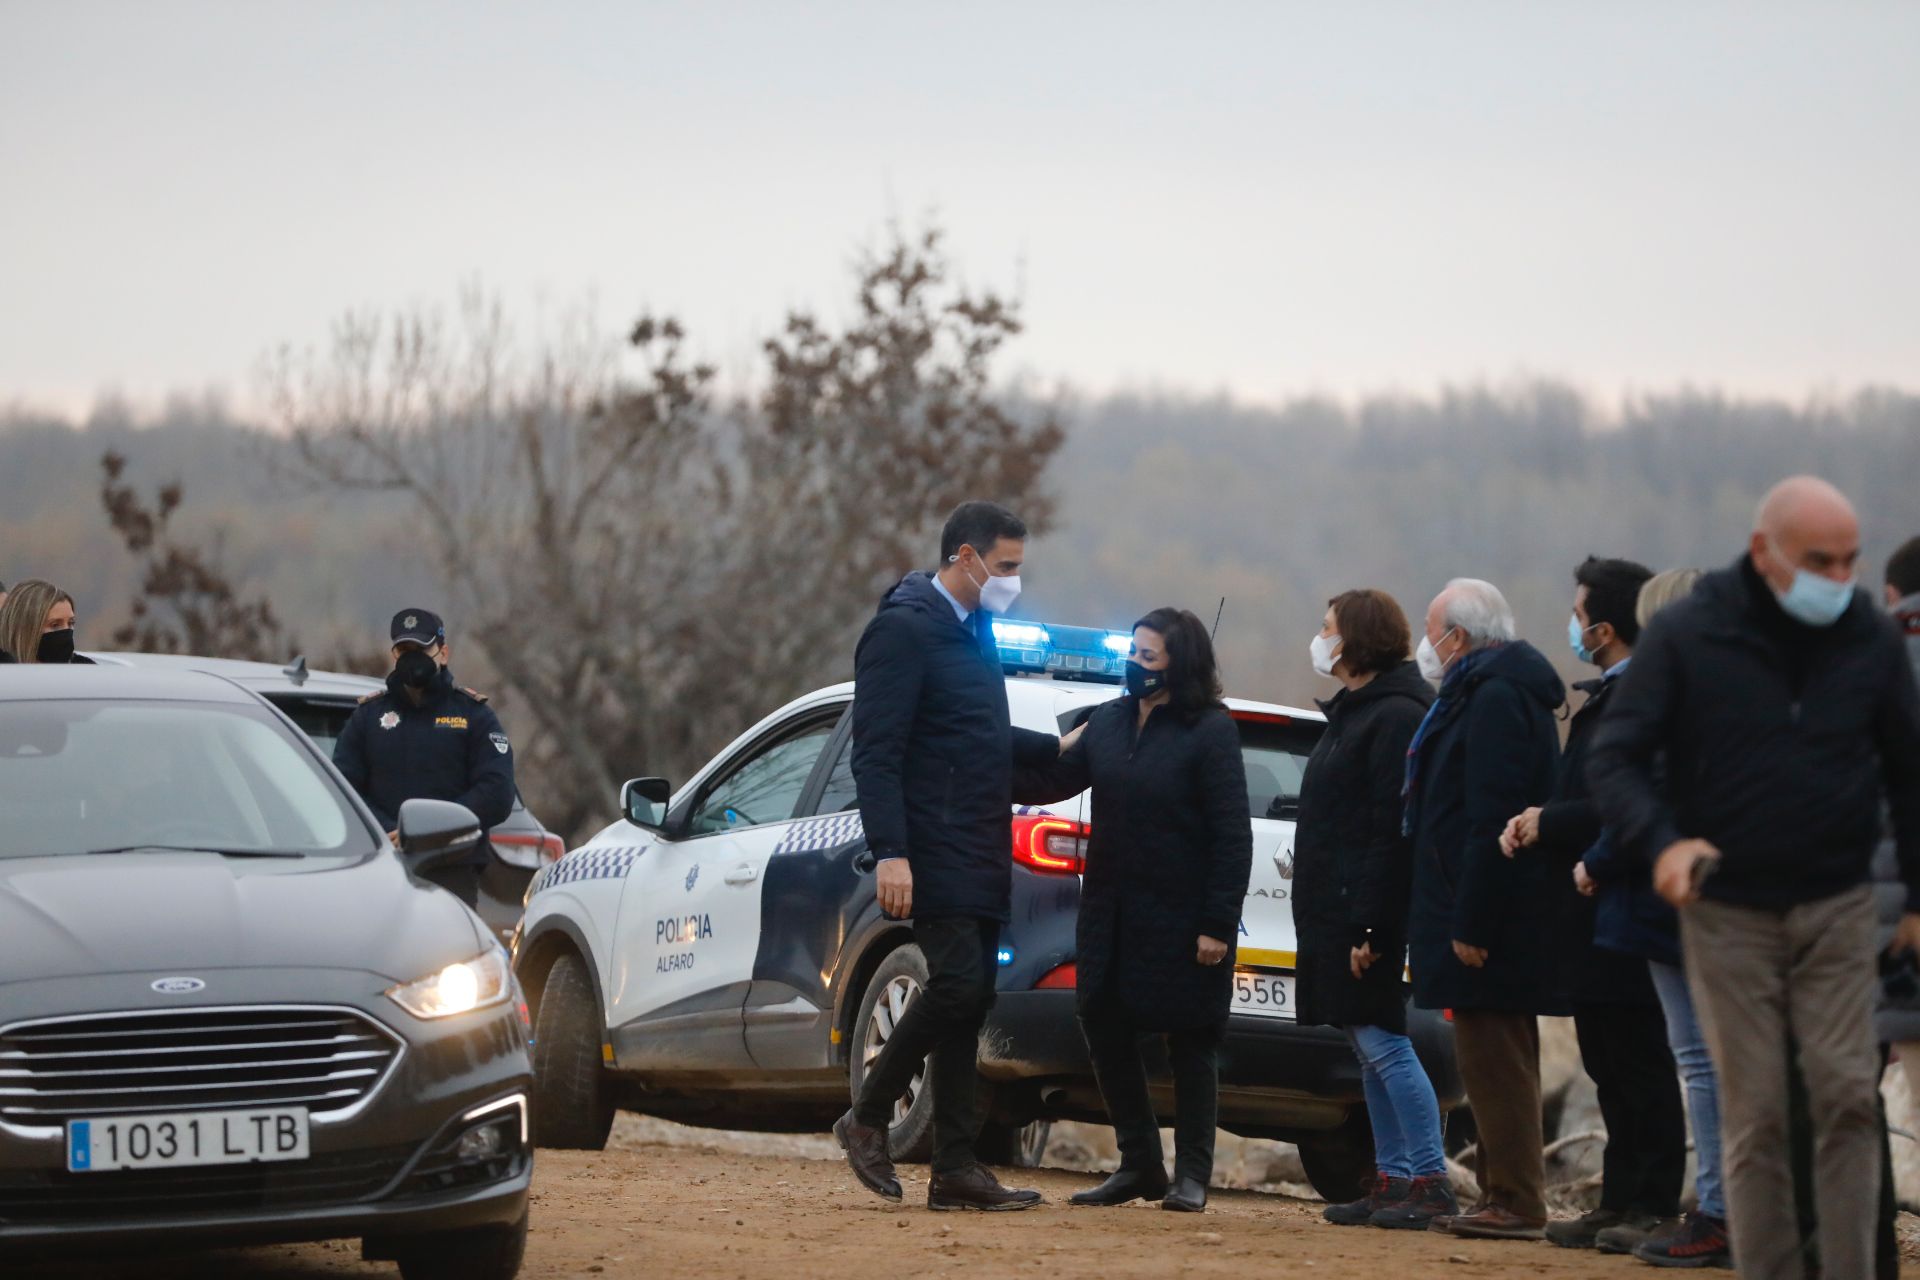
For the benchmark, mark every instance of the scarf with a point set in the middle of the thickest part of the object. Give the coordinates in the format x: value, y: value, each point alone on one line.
x: 1444, y: 708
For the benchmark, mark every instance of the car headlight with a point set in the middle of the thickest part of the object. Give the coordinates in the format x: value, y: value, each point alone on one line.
x: 458, y: 988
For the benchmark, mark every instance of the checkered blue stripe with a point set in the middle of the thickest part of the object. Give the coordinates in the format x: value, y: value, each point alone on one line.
x: 585, y: 864
x: 814, y: 834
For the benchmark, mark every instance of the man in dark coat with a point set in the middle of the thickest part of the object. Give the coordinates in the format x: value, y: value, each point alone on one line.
x: 933, y: 759
x: 1785, y: 708
x: 1480, y: 931
x: 426, y: 738
x: 1616, y: 1014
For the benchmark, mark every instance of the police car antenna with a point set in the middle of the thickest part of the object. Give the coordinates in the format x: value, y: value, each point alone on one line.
x: 1216, y: 618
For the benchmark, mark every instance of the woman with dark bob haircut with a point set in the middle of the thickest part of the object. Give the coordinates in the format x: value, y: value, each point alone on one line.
x: 1352, y: 887
x: 1166, y: 875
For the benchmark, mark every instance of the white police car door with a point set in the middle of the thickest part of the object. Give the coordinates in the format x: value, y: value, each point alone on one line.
x: 1274, y: 750
x: 690, y: 910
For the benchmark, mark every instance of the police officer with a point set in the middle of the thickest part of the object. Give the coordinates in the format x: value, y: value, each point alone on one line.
x: 428, y: 738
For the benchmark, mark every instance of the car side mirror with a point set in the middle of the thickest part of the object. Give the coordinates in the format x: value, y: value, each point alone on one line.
x: 437, y: 833
x: 644, y: 801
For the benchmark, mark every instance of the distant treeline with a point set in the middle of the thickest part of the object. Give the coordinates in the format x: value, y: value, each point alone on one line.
x: 1161, y: 500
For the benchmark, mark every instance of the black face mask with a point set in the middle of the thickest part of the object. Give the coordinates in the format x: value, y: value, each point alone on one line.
x: 1142, y: 683
x: 56, y: 646
x: 415, y: 669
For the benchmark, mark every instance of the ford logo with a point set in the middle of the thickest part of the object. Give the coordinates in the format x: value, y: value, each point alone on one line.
x: 178, y: 986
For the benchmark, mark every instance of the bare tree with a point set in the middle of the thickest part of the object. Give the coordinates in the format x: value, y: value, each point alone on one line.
x: 646, y: 569
x: 187, y: 603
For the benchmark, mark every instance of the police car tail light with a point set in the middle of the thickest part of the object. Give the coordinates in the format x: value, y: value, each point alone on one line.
x: 458, y: 988
x: 1064, y: 978
x: 1055, y: 846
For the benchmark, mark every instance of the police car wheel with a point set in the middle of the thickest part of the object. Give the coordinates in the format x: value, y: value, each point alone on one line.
x: 1339, y: 1164
x: 572, y: 1103
x: 478, y: 1253
x: 895, y: 985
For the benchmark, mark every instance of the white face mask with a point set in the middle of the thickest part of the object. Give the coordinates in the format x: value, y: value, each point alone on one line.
x: 996, y: 594
x: 1323, y: 655
x: 1429, y: 658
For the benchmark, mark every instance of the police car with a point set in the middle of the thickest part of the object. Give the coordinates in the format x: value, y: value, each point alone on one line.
x: 320, y: 702
x: 718, y: 956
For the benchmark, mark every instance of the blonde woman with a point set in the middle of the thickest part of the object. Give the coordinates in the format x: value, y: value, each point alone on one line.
x: 36, y: 623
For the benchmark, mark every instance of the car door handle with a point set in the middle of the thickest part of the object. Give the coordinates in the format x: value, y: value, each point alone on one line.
x: 745, y: 873
x: 864, y: 862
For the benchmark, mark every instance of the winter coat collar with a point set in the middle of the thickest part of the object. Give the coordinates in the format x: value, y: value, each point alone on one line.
x: 1403, y: 681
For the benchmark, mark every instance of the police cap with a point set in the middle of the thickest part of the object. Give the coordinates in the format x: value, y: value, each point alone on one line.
x: 417, y: 626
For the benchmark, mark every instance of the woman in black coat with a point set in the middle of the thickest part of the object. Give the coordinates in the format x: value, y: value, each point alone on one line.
x: 1352, y: 880
x: 1167, y: 865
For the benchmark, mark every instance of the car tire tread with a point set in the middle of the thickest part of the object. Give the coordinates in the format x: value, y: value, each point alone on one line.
x: 572, y: 1098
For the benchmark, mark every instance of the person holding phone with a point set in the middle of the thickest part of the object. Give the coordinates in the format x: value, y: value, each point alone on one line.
x: 1167, y: 867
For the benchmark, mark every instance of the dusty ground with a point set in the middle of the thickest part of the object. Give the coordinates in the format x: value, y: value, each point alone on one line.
x: 783, y: 1208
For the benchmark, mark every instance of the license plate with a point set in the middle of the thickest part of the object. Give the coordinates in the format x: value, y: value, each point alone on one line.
x: 1264, y: 995
x: 186, y: 1138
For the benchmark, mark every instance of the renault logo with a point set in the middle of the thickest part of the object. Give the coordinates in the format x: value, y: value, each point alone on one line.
x: 178, y: 986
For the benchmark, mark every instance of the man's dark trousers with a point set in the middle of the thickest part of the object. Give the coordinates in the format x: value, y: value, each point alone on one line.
x: 962, y: 962
x: 1625, y: 1052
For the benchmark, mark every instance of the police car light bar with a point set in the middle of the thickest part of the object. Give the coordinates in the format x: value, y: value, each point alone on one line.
x: 1065, y: 653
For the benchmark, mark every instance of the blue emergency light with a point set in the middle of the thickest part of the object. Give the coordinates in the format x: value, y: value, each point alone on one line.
x: 1065, y: 653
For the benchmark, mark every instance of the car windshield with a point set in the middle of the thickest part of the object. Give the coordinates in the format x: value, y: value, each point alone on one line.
x: 84, y: 776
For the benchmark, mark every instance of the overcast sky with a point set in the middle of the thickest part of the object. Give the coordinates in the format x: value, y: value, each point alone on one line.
x: 1258, y: 198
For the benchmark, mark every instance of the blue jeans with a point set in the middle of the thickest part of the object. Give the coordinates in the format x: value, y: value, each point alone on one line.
x: 1696, y: 1072
x: 1400, y: 1104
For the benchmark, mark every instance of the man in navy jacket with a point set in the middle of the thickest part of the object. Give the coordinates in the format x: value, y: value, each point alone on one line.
x: 933, y: 759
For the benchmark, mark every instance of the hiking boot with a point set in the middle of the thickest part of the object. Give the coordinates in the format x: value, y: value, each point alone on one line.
x: 1382, y: 1191
x: 1634, y: 1232
x: 1427, y: 1200
x: 1580, y: 1232
x: 1700, y: 1242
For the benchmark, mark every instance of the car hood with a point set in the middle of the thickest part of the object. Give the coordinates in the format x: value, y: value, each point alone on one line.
x: 191, y: 912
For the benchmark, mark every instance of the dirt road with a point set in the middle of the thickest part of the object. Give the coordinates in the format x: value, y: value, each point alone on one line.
x: 781, y: 1208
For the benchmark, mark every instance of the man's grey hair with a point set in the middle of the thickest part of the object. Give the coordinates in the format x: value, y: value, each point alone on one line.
x: 1479, y: 611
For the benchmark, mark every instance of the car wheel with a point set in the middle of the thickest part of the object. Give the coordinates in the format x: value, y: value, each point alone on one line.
x: 572, y: 1103
x: 478, y: 1253
x: 1340, y: 1164
x: 895, y: 985
x: 1019, y: 1146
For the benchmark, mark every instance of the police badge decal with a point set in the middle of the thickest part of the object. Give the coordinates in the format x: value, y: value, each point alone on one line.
x: 389, y: 720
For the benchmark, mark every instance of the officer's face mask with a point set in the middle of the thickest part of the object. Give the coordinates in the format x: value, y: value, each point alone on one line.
x: 55, y: 646
x: 415, y: 669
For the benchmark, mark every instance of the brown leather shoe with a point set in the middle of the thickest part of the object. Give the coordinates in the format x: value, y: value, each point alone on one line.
x: 1496, y: 1222
x: 975, y: 1187
x: 1443, y: 1222
x: 866, y: 1149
